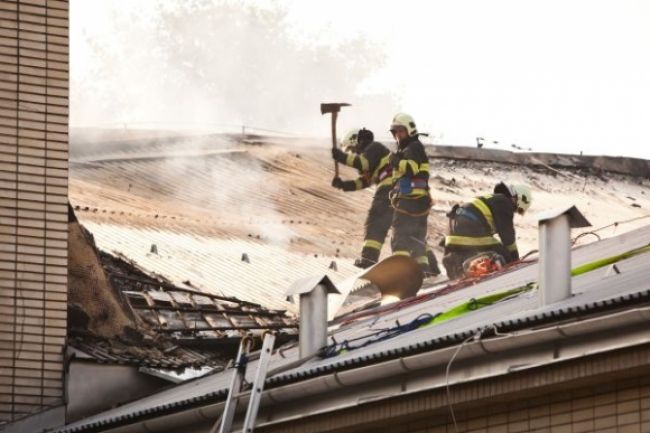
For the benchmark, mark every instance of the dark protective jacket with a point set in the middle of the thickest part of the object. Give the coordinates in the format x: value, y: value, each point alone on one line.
x: 373, y: 165
x: 411, y: 169
x: 474, y: 224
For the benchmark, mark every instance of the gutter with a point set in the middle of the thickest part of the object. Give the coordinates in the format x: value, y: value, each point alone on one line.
x: 418, y: 373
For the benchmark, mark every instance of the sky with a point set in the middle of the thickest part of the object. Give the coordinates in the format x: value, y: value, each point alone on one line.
x: 565, y: 76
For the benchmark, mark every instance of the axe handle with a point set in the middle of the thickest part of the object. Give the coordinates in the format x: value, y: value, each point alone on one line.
x: 336, y: 164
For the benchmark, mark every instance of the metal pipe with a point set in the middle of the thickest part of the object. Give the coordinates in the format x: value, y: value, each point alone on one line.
x: 554, y: 259
x: 313, y: 320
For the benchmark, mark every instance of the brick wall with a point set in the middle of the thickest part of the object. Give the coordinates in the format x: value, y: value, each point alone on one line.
x: 33, y: 209
x: 622, y: 407
x: 604, y: 392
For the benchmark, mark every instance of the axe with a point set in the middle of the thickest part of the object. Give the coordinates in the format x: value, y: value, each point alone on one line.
x: 333, y: 108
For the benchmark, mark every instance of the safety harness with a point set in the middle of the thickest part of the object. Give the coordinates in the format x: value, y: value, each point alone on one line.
x: 479, y: 211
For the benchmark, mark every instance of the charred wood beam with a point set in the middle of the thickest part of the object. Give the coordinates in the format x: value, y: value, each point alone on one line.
x: 167, y: 286
x: 225, y: 328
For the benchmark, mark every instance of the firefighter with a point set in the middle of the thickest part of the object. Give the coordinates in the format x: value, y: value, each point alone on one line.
x: 410, y: 196
x: 472, y: 227
x: 370, y: 158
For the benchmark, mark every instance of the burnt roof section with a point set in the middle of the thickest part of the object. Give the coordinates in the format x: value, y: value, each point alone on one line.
x: 166, y: 356
x: 120, y: 314
x: 188, y: 316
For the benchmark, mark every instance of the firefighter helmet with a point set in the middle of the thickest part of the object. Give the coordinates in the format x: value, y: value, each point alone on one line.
x: 524, y: 196
x: 350, y: 139
x: 406, y: 121
x: 520, y: 191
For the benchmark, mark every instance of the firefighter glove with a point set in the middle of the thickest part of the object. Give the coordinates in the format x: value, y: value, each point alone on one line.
x: 337, y: 183
x: 339, y: 155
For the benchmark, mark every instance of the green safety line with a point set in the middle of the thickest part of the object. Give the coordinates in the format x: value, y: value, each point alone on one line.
x: 477, y: 303
x: 588, y: 267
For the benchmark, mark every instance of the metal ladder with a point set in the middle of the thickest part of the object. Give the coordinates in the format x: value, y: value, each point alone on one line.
x: 237, y: 386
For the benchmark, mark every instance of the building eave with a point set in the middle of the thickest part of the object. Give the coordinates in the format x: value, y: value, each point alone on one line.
x: 402, y: 376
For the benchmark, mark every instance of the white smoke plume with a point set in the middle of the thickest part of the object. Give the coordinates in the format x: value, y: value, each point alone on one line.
x: 212, y: 65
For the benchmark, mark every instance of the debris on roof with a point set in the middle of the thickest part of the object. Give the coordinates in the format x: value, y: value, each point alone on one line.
x: 187, y: 315
x: 93, y: 305
x: 121, y: 314
x: 165, y: 356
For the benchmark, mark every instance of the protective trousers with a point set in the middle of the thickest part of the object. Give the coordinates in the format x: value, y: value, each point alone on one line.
x: 380, y: 217
x: 410, y: 228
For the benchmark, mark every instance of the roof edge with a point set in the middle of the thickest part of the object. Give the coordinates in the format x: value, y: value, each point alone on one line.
x: 627, y: 318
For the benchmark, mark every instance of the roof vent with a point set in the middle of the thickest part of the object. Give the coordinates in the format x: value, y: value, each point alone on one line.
x: 313, y: 293
x: 555, y: 252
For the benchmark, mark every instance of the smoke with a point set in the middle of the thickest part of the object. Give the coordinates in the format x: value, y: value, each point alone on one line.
x: 212, y: 65
x: 213, y: 175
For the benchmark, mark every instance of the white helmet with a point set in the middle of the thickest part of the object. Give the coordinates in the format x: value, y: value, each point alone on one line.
x: 524, y: 196
x: 519, y: 190
x: 350, y: 139
x: 405, y: 120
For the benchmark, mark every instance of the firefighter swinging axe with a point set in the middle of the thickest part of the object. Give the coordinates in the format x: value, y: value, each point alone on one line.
x: 333, y: 109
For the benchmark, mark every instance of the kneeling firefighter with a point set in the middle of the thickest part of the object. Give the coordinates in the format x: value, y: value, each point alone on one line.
x: 371, y: 159
x: 471, y: 248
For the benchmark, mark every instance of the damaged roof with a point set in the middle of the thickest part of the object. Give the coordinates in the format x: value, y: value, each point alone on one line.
x: 120, y: 314
x: 114, y: 352
x: 190, y: 316
x: 245, y: 217
x: 596, y: 294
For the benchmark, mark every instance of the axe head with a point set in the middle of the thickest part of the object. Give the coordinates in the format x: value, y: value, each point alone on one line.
x: 332, y: 107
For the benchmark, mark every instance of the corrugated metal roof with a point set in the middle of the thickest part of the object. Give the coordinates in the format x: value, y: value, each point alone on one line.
x: 593, y: 292
x: 206, y: 201
x: 518, y: 311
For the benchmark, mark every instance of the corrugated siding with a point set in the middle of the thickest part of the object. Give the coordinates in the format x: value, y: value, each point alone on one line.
x: 33, y: 203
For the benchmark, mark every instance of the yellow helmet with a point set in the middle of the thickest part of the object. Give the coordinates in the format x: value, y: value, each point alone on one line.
x: 350, y: 139
x: 406, y: 121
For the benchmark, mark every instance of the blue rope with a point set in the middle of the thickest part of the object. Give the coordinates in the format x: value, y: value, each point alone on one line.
x: 377, y: 336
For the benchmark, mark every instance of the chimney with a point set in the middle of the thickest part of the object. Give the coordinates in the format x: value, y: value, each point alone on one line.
x: 555, y: 252
x: 313, y: 293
